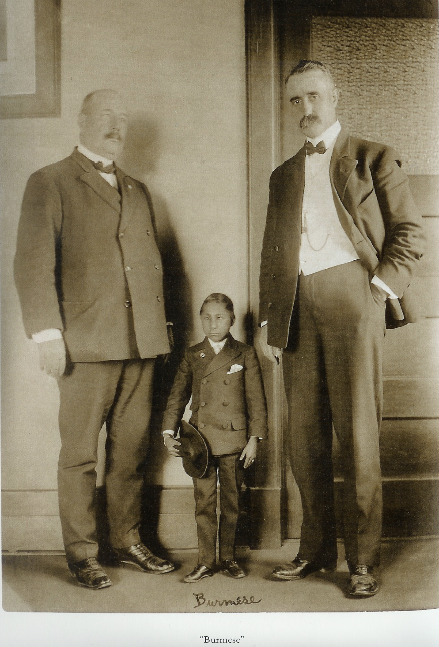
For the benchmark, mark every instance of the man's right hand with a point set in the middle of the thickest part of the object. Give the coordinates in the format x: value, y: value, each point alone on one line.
x: 272, y: 353
x: 52, y: 357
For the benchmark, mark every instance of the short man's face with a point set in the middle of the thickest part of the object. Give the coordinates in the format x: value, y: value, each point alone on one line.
x: 216, y: 321
x: 314, y: 99
x: 103, y: 126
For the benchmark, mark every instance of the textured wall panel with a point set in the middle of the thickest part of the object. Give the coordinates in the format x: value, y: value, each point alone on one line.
x: 387, y: 71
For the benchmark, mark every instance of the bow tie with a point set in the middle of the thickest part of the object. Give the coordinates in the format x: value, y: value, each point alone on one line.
x: 310, y: 148
x: 104, y: 169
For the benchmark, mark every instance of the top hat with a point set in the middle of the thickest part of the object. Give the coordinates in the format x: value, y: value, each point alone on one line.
x: 193, y: 450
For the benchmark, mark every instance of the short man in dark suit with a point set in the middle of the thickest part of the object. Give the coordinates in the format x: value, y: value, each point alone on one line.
x: 89, y: 277
x: 223, y: 377
x: 342, y: 242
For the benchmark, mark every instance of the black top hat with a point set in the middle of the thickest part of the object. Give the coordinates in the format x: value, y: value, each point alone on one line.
x: 193, y: 450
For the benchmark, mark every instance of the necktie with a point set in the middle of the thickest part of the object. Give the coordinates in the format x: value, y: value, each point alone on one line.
x: 104, y: 169
x: 310, y: 148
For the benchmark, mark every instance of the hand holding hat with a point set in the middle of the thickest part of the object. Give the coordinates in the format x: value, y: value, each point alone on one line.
x: 193, y: 450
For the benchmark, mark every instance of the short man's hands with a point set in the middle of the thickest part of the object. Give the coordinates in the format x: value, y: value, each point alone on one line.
x: 172, y: 445
x: 52, y: 355
x: 249, y: 452
x: 272, y: 353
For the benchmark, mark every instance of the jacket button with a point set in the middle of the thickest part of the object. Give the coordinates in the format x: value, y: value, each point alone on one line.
x: 202, y: 404
x: 158, y: 299
x: 127, y: 304
x: 148, y: 233
x: 204, y: 381
x: 157, y: 267
x: 276, y: 248
x: 201, y: 425
x: 226, y: 381
x: 225, y: 403
x: 127, y: 268
x: 273, y: 276
x: 269, y: 305
x: 121, y: 235
x: 225, y: 425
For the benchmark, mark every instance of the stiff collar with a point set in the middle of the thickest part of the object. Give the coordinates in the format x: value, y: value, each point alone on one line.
x: 328, y: 137
x: 93, y: 156
x: 217, y: 345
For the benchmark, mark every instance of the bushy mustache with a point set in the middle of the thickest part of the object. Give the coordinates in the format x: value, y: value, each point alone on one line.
x: 307, y: 120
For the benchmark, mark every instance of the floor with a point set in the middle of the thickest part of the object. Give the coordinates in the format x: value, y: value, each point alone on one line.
x: 409, y: 580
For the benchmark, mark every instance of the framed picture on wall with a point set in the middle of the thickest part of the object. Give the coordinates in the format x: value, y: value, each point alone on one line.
x: 30, y: 58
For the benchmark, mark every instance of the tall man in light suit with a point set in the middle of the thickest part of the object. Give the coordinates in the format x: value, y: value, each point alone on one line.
x: 342, y: 242
x: 89, y: 276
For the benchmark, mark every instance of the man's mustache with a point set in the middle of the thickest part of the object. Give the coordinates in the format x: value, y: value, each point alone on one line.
x: 113, y: 135
x: 307, y: 120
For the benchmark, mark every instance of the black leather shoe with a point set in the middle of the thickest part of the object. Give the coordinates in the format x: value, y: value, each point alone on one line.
x: 233, y: 569
x: 300, y: 568
x: 363, y: 584
x: 89, y: 573
x: 142, y: 558
x: 198, y: 573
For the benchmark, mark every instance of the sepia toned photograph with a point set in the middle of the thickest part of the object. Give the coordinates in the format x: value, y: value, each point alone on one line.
x: 220, y: 343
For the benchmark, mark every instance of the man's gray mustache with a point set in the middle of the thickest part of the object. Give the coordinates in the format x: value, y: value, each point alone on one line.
x: 307, y: 120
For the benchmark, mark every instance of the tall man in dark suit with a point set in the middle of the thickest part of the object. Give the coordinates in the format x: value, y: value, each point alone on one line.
x: 89, y: 276
x: 342, y: 242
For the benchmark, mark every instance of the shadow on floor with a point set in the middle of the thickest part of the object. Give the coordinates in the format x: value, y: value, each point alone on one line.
x: 409, y: 580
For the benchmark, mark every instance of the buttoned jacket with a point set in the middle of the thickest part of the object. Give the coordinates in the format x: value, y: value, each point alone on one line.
x: 87, y: 262
x: 377, y: 212
x: 228, y: 401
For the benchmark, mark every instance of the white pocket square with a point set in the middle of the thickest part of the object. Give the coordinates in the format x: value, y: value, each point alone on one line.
x: 235, y: 368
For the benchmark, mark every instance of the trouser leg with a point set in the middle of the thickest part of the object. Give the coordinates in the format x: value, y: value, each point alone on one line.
x: 127, y: 445
x: 309, y: 433
x: 352, y: 326
x: 231, y: 476
x: 205, y: 493
x: 86, y: 395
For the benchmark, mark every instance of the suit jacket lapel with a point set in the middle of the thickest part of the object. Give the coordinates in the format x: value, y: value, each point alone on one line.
x: 128, y: 196
x: 91, y: 177
x: 293, y: 185
x: 342, y: 164
x: 225, y: 356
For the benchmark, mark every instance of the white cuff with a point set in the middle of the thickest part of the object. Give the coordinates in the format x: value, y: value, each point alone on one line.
x: 377, y: 281
x: 47, y: 335
x: 263, y: 323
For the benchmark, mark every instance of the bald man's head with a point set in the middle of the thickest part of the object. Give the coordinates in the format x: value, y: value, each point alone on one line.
x: 103, y: 123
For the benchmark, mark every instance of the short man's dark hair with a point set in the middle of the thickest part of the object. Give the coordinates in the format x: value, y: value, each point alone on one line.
x: 218, y: 297
x: 308, y: 66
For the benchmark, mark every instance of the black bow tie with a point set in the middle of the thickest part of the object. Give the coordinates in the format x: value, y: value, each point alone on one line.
x: 104, y: 169
x: 310, y: 148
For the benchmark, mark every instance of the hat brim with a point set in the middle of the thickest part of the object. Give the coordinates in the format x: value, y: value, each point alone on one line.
x: 193, y: 450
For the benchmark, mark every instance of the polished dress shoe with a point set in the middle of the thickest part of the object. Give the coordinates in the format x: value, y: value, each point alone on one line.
x: 363, y: 584
x: 142, y: 558
x: 198, y: 573
x: 89, y: 573
x: 233, y: 569
x: 300, y: 568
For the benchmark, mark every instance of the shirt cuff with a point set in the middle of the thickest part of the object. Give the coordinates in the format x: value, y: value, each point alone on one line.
x: 47, y: 335
x: 263, y: 323
x: 376, y: 281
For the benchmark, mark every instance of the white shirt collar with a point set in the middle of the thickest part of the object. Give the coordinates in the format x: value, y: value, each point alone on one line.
x: 217, y: 345
x: 93, y: 156
x: 328, y: 137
